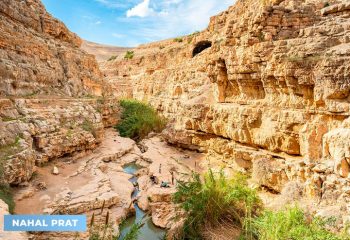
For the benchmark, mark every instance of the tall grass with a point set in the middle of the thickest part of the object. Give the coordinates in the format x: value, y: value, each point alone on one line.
x: 105, y: 231
x: 214, y: 199
x: 292, y: 223
x: 133, y: 232
x: 138, y: 120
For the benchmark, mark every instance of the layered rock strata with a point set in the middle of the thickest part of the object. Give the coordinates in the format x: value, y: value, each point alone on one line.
x: 51, y: 102
x: 40, y: 56
x: 263, y: 89
x: 35, y: 131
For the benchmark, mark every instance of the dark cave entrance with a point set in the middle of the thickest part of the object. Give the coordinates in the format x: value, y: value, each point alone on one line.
x: 200, y: 47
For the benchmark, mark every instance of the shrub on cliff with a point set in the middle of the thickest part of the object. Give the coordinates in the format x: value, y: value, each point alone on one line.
x: 7, y: 196
x: 291, y: 223
x: 129, y: 55
x: 6, y: 151
x: 213, y: 200
x: 178, y: 39
x: 112, y: 58
x: 138, y: 120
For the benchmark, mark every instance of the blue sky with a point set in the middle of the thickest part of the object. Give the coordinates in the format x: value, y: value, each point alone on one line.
x: 132, y: 22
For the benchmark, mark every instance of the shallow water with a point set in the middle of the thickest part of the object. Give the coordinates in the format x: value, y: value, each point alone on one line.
x: 149, y: 231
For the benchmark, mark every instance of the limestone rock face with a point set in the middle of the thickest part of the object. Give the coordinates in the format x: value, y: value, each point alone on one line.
x: 35, y: 131
x: 86, y: 185
x: 266, y: 81
x: 39, y: 55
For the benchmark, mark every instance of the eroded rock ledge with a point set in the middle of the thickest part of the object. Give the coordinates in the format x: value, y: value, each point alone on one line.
x: 39, y: 55
x: 36, y: 131
x: 263, y: 89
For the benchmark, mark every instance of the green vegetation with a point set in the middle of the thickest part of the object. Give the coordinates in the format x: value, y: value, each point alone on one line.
x: 112, y: 58
x: 6, y: 152
x: 291, y: 223
x: 213, y: 200
x: 129, y: 55
x: 104, y: 231
x: 261, y: 36
x: 88, y: 126
x: 191, y: 36
x: 32, y: 94
x: 7, y: 196
x: 133, y: 232
x: 8, y: 119
x: 138, y: 120
x: 178, y: 40
x: 69, y: 133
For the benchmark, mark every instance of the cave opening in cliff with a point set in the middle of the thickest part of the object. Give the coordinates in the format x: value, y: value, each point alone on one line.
x: 200, y: 47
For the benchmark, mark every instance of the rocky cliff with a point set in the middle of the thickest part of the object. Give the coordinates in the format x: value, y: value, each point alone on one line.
x: 51, y: 102
x: 264, y: 89
x: 39, y: 55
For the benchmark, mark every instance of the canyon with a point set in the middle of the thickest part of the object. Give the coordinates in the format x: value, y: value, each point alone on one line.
x: 264, y: 90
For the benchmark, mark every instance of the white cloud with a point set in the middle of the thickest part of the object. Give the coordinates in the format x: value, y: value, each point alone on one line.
x: 142, y: 9
x: 118, y: 35
x: 169, y: 18
x: 98, y: 22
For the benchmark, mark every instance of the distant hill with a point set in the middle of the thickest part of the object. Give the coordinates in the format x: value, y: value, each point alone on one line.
x: 102, y: 52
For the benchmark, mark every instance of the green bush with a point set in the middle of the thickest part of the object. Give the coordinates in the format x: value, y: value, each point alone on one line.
x: 112, y: 58
x: 138, y: 120
x: 213, y: 200
x: 6, y: 151
x: 178, y: 40
x: 129, y: 55
x: 291, y: 223
x: 7, y: 196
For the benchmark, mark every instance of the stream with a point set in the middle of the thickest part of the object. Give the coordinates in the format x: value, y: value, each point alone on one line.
x: 149, y: 231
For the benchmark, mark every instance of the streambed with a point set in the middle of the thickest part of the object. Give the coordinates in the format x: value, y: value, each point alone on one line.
x: 149, y: 231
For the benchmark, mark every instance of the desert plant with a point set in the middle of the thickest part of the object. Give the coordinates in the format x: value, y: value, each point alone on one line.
x: 104, y: 231
x: 7, y: 196
x: 133, y: 232
x: 291, y: 223
x: 214, y: 199
x: 88, y: 126
x: 191, y: 36
x: 8, y: 119
x: 178, y: 40
x: 129, y: 55
x: 6, y: 151
x: 138, y: 120
x: 112, y: 58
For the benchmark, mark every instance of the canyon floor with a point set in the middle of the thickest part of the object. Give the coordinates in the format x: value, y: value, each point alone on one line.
x: 263, y: 90
x: 98, y: 180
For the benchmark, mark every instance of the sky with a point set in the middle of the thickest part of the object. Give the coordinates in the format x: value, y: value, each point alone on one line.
x: 133, y: 22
